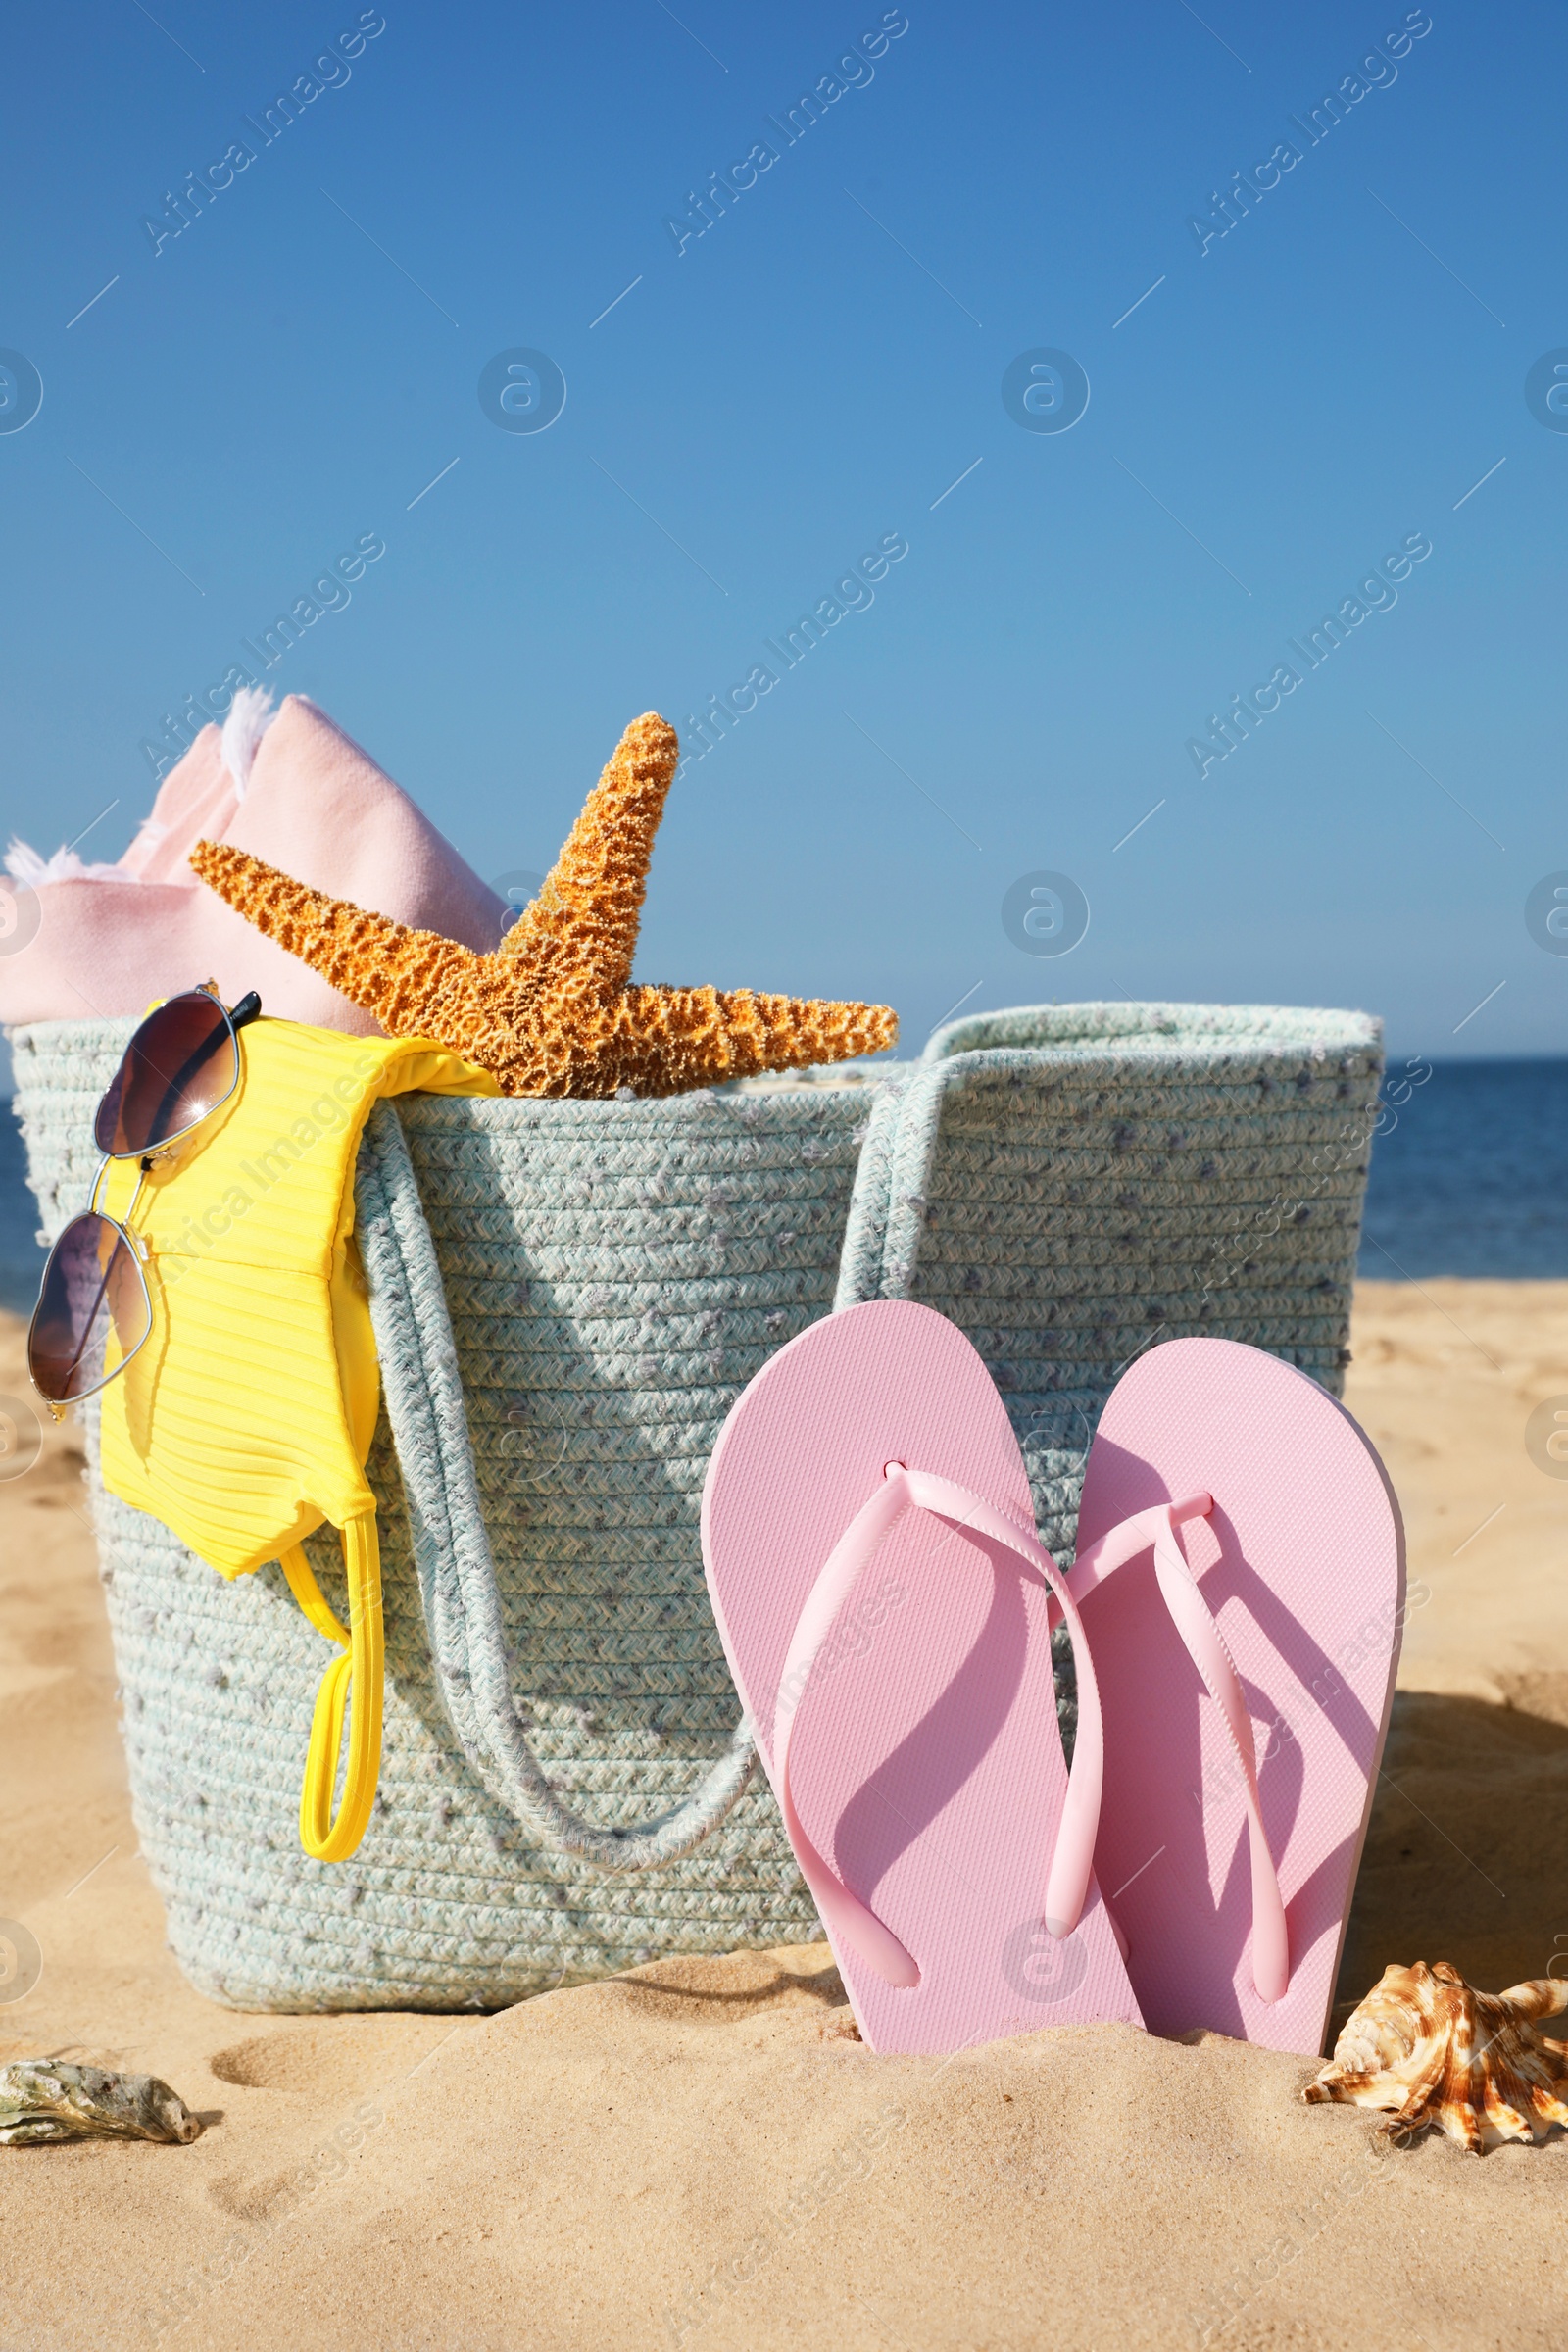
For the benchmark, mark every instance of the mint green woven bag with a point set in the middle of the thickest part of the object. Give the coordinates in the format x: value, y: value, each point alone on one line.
x: 567, y: 1299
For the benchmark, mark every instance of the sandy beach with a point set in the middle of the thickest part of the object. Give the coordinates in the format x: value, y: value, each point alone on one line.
x: 700, y: 2154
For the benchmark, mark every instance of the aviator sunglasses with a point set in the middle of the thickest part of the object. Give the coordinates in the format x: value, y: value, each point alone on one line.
x: 94, y: 1308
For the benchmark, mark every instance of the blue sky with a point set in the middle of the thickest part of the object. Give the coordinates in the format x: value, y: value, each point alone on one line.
x: 804, y: 382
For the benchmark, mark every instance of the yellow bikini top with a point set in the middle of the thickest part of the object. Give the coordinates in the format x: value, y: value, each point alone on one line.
x: 244, y: 1421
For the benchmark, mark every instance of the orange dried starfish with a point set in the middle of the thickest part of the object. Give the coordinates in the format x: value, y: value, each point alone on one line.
x: 553, y: 1009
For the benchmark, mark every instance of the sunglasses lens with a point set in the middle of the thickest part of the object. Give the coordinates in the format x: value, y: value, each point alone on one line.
x: 179, y: 1066
x: 92, y: 1311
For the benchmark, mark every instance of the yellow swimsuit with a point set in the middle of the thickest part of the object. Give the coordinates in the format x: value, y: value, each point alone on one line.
x: 244, y: 1422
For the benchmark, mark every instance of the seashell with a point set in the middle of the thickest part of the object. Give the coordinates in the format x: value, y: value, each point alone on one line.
x: 1427, y: 2046
x: 42, y: 2099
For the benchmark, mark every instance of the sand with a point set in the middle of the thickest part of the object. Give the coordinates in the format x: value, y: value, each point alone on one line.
x: 699, y: 2155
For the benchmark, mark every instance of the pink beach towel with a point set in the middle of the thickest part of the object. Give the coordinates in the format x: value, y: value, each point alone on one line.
x: 104, y: 940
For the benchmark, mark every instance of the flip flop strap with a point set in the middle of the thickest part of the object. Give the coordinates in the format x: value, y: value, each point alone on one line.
x: 1206, y: 1646
x: 1071, y: 1864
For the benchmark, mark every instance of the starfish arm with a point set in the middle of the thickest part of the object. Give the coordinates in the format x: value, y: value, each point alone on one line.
x: 665, y: 1040
x: 415, y: 983
x: 586, y: 916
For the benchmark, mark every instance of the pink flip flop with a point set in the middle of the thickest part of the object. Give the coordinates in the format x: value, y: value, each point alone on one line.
x: 1246, y: 1669
x: 886, y: 1609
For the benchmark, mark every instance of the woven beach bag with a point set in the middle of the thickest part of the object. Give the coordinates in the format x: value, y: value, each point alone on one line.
x: 568, y: 1297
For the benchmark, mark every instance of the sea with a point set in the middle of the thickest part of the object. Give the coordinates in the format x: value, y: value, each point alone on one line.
x: 1469, y: 1177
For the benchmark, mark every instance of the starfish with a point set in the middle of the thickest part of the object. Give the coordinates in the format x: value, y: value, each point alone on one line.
x: 552, y: 1011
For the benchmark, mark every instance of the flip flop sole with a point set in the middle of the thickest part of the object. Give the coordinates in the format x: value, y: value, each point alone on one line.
x: 926, y: 1763
x: 1302, y: 1565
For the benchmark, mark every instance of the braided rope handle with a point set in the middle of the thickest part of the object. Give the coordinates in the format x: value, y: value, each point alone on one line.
x: 424, y: 1403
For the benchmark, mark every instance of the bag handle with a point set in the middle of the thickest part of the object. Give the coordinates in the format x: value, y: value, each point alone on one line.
x: 358, y: 1673
x: 894, y: 1177
x: 423, y: 1392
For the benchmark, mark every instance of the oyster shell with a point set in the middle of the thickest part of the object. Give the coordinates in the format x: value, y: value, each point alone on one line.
x: 1427, y: 2046
x: 42, y: 2099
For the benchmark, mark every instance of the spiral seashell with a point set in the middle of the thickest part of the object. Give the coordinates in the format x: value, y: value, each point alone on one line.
x: 1426, y: 2047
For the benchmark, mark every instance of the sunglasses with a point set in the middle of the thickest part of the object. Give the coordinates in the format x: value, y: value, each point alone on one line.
x: 94, y: 1308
